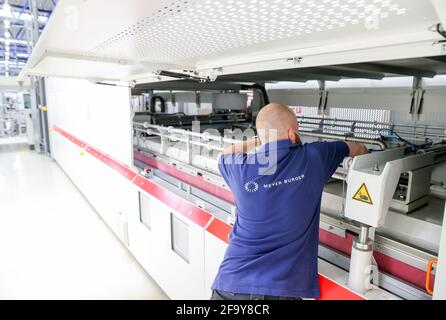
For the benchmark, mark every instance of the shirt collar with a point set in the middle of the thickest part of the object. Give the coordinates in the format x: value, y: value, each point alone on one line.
x: 277, y: 145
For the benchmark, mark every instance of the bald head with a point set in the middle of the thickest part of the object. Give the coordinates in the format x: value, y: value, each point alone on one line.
x: 274, y: 122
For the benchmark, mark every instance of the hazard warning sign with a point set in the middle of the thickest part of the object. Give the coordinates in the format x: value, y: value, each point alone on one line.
x: 363, y: 195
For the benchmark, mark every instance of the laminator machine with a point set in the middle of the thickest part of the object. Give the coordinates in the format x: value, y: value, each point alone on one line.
x: 393, y: 181
x: 371, y: 71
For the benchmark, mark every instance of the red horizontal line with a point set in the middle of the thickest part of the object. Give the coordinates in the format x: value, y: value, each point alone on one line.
x: 330, y: 290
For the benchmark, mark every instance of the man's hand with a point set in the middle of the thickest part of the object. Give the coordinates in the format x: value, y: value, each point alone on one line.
x: 242, y: 147
x: 357, y: 149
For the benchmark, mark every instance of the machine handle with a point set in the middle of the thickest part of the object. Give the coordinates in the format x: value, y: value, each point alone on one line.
x: 428, y: 275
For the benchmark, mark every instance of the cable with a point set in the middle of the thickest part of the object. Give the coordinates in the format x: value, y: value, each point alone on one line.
x: 412, y: 145
x: 153, y: 104
x: 440, y: 30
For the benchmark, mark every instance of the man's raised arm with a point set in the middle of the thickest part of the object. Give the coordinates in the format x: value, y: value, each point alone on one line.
x: 357, y: 149
x: 242, y: 147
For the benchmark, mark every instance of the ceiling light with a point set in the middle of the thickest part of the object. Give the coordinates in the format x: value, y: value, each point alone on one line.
x: 6, y: 7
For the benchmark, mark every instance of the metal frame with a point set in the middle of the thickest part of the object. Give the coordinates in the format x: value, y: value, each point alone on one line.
x: 24, y: 27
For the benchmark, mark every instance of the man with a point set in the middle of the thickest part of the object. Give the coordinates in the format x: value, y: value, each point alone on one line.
x: 273, y: 247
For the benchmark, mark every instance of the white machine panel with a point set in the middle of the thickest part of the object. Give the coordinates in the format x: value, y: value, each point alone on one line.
x: 372, y: 181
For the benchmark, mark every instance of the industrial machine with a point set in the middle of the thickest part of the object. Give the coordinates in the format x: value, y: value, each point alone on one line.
x: 368, y: 71
x: 395, y: 178
x: 15, y: 117
x: 12, y: 119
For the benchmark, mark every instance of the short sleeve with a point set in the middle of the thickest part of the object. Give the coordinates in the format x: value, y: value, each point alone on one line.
x: 228, y: 164
x: 331, y: 155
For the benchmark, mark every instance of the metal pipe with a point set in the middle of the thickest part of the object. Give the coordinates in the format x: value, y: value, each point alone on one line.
x: 407, y: 135
x: 179, y: 139
x: 194, y: 134
x: 373, y: 130
x: 378, y: 143
x: 339, y: 176
x: 419, y: 134
x: 374, y: 123
x: 363, y: 234
x: 222, y: 140
x: 371, y: 127
x: 200, y: 144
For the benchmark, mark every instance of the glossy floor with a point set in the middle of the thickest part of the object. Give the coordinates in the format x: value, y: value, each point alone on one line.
x: 53, y: 245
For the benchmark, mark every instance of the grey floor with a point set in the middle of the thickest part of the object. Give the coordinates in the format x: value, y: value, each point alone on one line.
x: 53, y: 245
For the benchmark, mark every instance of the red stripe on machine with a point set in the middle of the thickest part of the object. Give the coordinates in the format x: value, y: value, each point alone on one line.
x: 122, y: 169
x: 330, y: 290
x: 70, y: 137
x: 336, y: 242
x: 401, y: 270
x: 197, y: 182
x: 385, y: 263
x: 95, y: 153
x: 220, y: 229
x: 182, y: 206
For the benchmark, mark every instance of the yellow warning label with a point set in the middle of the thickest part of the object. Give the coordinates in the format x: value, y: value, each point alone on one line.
x: 363, y: 195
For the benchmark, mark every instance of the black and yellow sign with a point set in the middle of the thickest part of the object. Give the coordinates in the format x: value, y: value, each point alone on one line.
x: 363, y: 195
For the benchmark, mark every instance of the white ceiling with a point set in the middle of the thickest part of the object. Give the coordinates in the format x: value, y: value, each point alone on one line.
x: 139, y: 36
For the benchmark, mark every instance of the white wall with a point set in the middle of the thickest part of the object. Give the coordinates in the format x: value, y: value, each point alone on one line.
x: 97, y: 114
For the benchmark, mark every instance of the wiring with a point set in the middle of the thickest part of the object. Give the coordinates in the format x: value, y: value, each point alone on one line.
x: 396, y: 137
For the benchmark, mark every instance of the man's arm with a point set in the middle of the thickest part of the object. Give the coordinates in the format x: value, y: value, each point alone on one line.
x: 357, y: 149
x: 242, y: 147
x: 229, y: 166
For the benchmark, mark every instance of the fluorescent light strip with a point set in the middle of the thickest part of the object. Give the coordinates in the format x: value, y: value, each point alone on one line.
x: 24, y: 42
x: 24, y: 16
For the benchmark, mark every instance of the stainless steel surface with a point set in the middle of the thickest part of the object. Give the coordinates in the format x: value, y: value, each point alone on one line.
x: 363, y: 246
x: 363, y: 234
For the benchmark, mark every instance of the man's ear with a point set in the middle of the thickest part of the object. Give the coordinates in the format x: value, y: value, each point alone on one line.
x: 291, y: 135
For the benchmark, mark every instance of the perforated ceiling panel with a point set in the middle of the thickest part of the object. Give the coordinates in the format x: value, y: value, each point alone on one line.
x: 133, y: 39
x: 183, y: 30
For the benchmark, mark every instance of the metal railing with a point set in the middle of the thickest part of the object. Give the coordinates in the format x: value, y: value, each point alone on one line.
x: 370, y: 129
x: 367, y: 132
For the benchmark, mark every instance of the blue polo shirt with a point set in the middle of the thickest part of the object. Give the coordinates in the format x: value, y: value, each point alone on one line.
x: 273, y: 246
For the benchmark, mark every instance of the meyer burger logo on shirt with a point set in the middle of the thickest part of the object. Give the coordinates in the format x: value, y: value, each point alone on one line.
x: 252, y: 186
